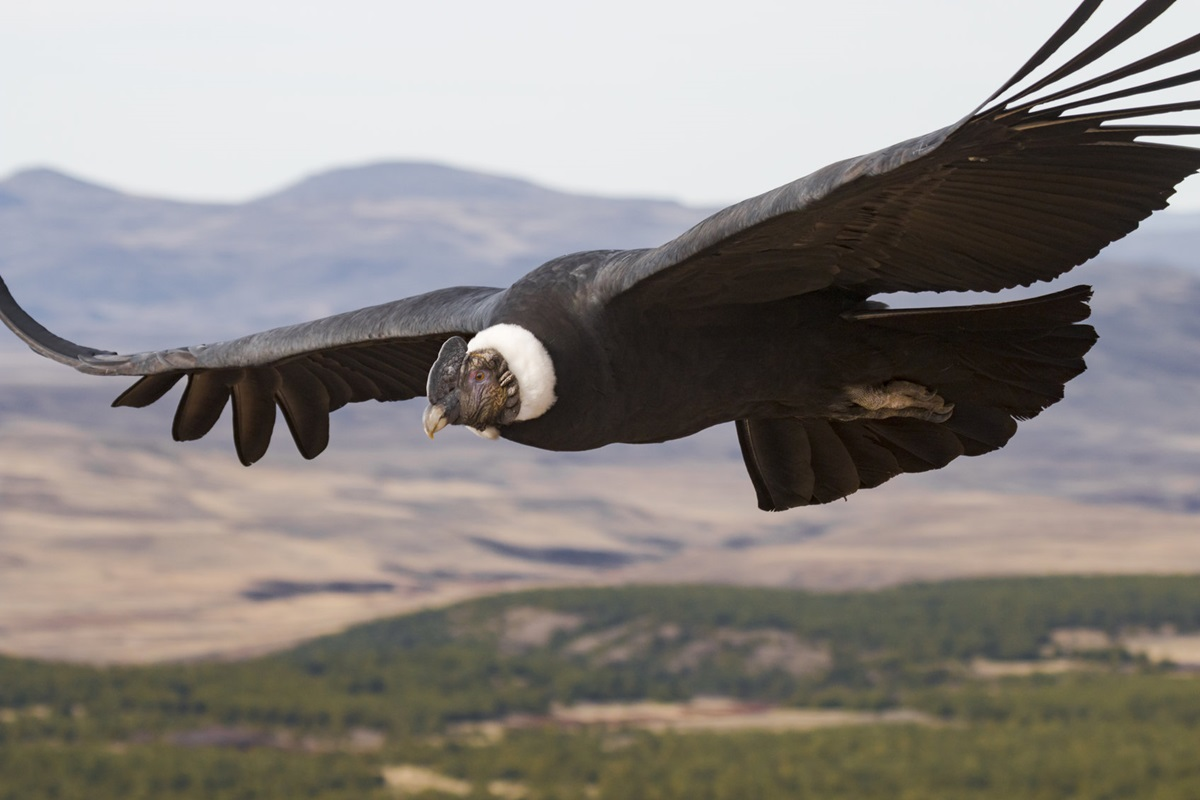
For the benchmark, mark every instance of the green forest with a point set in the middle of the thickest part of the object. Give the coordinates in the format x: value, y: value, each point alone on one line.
x: 330, y: 718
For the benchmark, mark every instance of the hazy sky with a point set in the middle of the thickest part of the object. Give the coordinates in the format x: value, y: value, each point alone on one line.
x: 700, y: 101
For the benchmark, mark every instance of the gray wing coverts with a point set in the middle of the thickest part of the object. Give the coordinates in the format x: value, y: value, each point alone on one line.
x: 1022, y: 190
x: 308, y: 371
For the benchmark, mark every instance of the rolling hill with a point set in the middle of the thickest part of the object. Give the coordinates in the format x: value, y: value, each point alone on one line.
x: 1038, y: 688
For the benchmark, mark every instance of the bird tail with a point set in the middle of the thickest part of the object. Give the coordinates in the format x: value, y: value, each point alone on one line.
x: 996, y: 364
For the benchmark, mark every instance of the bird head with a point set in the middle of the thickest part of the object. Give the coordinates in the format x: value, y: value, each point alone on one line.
x: 503, y: 375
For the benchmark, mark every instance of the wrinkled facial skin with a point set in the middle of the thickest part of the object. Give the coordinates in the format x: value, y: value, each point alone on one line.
x: 487, y: 391
x: 472, y: 389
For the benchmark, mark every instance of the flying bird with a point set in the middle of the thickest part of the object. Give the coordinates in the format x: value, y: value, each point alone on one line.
x: 766, y: 313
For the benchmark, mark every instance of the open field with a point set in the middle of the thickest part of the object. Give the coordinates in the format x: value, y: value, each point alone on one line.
x: 127, y: 552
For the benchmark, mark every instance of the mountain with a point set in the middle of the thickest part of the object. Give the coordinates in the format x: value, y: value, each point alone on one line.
x: 151, y: 268
x: 113, y: 538
x: 1164, y: 240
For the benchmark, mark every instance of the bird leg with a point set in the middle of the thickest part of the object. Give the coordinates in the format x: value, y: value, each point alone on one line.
x: 893, y: 399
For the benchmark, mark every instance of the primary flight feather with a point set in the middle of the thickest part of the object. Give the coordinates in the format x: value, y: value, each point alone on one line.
x: 762, y: 314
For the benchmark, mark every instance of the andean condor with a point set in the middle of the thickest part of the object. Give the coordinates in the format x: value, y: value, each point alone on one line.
x: 762, y: 314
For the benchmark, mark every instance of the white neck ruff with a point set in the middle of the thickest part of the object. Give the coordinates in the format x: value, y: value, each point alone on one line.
x: 528, y: 361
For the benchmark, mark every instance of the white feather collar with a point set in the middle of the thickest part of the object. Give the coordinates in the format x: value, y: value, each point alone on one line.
x: 529, y: 362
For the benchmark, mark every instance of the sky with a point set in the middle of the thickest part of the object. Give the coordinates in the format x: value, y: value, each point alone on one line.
x: 698, y: 101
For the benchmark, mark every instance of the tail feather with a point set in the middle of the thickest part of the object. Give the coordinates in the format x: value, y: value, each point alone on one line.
x: 1014, y: 356
x: 996, y: 363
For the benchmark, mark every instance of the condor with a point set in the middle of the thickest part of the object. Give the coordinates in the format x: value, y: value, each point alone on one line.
x: 762, y: 315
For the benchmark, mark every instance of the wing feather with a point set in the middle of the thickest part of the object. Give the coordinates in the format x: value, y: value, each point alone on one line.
x: 204, y: 398
x: 309, y: 370
x: 254, y: 412
x: 148, y: 390
x: 305, y: 402
x: 1019, y: 191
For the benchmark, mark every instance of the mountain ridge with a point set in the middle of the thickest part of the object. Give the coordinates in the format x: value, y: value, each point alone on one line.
x: 338, y: 240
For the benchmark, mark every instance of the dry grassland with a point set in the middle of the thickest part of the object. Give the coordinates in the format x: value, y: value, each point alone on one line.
x: 123, y: 552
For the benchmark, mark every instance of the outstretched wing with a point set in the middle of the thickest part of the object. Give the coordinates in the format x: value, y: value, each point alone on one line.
x: 382, y: 352
x: 1029, y: 186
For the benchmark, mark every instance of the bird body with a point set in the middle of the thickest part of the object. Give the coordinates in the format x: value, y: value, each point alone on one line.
x: 717, y: 363
x: 766, y: 314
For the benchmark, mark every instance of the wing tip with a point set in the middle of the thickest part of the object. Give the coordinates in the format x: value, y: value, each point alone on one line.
x: 41, y: 340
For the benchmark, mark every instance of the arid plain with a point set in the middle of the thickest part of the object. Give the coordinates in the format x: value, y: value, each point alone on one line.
x: 119, y: 545
x: 124, y: 549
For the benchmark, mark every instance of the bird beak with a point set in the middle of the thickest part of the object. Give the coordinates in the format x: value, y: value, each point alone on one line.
x: 434, y: 419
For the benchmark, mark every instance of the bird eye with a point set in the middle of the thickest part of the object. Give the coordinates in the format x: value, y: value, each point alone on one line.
x: 479, y: 376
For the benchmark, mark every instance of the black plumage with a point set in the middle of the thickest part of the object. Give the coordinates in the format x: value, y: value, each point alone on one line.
x: 760, y: 315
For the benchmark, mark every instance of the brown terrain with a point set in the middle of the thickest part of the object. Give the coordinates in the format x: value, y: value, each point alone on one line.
x: 119, y: 548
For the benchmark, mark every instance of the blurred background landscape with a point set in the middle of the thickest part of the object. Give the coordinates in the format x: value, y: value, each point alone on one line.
x: 120, y: 547
x: 119, y: 544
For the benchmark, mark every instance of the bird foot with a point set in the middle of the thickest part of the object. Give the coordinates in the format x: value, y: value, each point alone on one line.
x: 894, y: 399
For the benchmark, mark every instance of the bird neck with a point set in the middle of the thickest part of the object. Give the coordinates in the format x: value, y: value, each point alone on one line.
x: 528, y: 361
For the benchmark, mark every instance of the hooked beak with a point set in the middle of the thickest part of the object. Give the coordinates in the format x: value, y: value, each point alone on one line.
x: 434, y: 420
